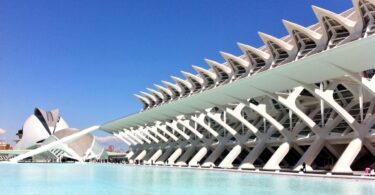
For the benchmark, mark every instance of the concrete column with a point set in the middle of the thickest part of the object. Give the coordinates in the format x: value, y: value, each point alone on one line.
x: 348, y: 156
x: 130, y: 154
x: 198, y: 156
x: 136, y: 153
x: 177, y: 153
x: 277, y: 157
x: 232, y: 155
x: 155, y: 156
x: 189, y: 152
x: 141, y: 155
x: 214, y: 155
x: 311, y: 153
x: 253, y: 155
x: 165, y: 156
x: 150, y: 152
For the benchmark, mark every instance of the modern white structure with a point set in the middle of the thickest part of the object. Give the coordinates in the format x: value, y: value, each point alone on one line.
x: 308, y: 97
x: 38, y: 127
x: 83, y: 149
x: 43, y: 128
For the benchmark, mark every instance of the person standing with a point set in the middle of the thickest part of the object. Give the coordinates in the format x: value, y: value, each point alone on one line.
x: 304, y: 167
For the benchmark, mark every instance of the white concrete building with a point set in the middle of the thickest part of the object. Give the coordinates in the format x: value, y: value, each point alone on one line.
x: 43, y: 128
x: 85, y: 148
x: 38, y: 127
x: 308, y: 97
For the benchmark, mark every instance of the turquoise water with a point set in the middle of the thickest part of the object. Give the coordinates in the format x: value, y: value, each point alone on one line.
x: 119, y: 179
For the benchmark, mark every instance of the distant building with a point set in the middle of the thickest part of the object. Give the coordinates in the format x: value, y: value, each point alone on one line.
x: 110, y: 148
x: 5, y: 146
x: 85, y: 148
x: 38, y: 127
x: 44, y: 127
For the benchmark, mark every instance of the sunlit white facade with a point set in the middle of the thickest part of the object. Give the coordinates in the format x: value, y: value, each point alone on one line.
x: 44, y: 127
x: 38, y: 127
x: 308, y: 97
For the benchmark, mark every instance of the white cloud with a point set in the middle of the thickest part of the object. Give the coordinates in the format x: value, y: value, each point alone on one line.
x: 108, y: 138
x: 2, y: 131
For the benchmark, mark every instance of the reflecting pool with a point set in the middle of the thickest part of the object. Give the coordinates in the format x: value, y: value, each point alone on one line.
x: 120, y: 179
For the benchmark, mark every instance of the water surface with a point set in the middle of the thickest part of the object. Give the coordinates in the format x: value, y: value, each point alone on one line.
x: 119, y: 179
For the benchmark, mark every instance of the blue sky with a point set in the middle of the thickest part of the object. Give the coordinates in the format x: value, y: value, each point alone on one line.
x: 88, y: 58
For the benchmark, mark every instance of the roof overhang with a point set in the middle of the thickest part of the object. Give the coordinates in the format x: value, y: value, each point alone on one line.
x: 355, y: 57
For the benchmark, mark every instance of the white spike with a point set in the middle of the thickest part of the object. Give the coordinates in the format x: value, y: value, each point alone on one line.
x: 264, y: 55
x: 354, y: 27
x: 212, y: 63
x: 239, y: 60
x: 151, y: 97
x: 265, y: 37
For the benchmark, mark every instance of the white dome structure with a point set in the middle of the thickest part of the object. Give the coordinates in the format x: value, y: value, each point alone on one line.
x: 39, y: 127
x: 45, y: 127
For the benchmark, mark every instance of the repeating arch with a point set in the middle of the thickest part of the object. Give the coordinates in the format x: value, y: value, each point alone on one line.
x: 209, y: 77
x: 337, y: 28
x: 307, y: 41
x: 282, y: 52
x: 223, y: 73
x: 258, y: 59
x: 175, y: 89
x: 196, y: 81
x: 239, y: 66
x: 184, y: 85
